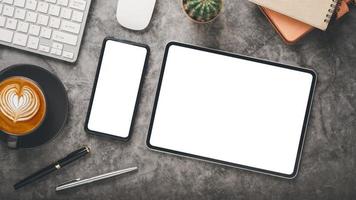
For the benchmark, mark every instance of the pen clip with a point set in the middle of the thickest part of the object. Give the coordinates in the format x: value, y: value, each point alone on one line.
x: 71, y: 181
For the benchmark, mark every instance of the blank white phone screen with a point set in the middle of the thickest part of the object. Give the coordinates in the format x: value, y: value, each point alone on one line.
x: 231, y: 109
x: 117, y: 88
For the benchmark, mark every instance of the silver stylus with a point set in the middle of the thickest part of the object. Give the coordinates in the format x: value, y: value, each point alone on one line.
x: 79, y: 182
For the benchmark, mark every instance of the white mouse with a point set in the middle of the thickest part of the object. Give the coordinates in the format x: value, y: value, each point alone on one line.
x: 135, y: 14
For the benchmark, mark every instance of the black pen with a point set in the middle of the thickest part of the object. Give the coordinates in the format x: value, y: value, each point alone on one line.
x: 75, y: 155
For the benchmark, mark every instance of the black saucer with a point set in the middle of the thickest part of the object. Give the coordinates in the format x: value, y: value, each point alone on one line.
x: 56, y: 99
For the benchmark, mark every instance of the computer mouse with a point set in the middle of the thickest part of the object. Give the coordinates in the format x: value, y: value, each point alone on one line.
x: 135, y: 14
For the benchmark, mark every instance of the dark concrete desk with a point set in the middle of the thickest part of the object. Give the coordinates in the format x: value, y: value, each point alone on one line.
x: 329, y: 160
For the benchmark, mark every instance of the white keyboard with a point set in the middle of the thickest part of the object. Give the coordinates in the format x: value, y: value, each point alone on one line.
x: 52, y: 28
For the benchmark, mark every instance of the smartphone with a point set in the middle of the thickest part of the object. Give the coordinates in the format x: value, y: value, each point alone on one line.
x: 117, y: 86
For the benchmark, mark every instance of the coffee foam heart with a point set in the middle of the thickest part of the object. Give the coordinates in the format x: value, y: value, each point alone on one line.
x: 19, y: 104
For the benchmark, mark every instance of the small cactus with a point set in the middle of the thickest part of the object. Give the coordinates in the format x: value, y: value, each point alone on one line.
x: 202, y: 10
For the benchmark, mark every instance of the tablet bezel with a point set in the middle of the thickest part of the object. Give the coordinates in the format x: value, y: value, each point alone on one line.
x: 236, y: 165
x: 144, y: 71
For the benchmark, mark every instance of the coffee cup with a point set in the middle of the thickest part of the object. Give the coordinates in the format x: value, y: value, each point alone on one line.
x: 22, y: 108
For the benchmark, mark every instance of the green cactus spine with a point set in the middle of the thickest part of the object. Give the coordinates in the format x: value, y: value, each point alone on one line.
x: 202, y: 10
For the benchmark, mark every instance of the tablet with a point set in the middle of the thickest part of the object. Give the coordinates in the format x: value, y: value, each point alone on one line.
x: 231, y: 109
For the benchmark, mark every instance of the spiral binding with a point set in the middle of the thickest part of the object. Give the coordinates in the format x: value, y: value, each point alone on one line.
x: 334, y: 7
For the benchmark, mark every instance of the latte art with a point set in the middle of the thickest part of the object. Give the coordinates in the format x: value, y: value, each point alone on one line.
x: 19, y: 104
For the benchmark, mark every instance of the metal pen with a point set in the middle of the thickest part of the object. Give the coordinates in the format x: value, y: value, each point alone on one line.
x: 79, y: 182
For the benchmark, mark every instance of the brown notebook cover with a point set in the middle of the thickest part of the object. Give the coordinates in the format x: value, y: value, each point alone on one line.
x: 292, y: 30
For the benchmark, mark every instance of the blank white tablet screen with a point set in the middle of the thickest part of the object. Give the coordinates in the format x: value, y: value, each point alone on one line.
x: 231, y: 109
x: 117, y: 87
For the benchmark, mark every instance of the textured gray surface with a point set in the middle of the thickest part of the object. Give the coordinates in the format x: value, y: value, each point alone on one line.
x: 328, y: 163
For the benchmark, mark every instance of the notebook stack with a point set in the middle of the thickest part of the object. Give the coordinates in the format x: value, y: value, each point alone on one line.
x: 293, y: 19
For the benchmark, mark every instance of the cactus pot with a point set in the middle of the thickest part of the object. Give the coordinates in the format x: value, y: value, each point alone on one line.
x: 202, y: 11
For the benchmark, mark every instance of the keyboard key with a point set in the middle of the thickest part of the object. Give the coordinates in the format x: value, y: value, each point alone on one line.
x: 8, y: 11
x: 11, y: 23
x: 33, y: 42
x: 42, y: 7
x: 77, y: 4
x: 54, y: 22
x: 42, y: 20
x: 46, y: 32
x: 57, y: 45
x: 1, y: 8
x: 19, y: 3
x: 2, y: 21
x: 70, y: 26
x: 31, y: 4
x: 77, y: 16
x: 54, y: 10
x: 34, y: 30
x: 20, y: 13
x: 43, y: 48
x: 64, y: 37
x: 6, y: 35
x: 56, y: 51
x: 67, y: 54
x: 8, y: 1
x: 23, y: 26
x: 62, y: 2
x: 66, y: 13
x: 51, y: 1
x: 31, y: 16
x: 20, y: 39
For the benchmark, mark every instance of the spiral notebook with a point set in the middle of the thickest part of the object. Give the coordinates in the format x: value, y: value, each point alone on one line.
x: 292, y: 30
x: 316, y: 13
